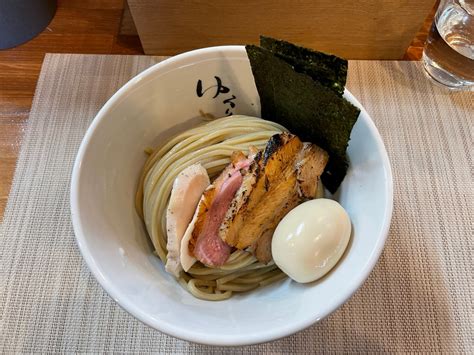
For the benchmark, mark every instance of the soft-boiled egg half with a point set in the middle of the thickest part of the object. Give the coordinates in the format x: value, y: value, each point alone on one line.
x: 309, y: 241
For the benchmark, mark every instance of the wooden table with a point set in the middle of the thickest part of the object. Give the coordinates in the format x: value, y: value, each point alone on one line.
x: 79, y: 26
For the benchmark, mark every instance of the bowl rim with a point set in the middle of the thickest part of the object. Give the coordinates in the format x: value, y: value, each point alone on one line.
x: 178, y: 332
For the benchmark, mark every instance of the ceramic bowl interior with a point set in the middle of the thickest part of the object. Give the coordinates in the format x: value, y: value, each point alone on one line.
x: 161, y: 101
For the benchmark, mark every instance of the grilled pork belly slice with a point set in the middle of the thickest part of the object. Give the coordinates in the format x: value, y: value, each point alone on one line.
x: 309, y: 167
x: 286, y: 174
x: 262, y: 248
x: 274, y: 186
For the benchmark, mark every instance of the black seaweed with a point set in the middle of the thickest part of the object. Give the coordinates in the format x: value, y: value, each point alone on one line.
x: 327, y: 69
x: 307, y: 108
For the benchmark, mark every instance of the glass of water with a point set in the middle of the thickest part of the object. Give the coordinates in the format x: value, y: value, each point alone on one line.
x: 448, y: 56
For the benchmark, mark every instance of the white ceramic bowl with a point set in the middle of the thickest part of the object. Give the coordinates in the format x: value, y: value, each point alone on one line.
x: 112, y: 239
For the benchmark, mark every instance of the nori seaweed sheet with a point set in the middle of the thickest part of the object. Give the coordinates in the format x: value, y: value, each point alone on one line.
x: 327, y: 69
x: 307, y: 108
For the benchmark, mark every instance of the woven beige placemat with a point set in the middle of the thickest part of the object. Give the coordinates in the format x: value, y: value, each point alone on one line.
x: 418, y: 298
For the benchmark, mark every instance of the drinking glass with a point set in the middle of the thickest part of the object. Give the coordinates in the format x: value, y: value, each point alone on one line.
x: 448, y: 56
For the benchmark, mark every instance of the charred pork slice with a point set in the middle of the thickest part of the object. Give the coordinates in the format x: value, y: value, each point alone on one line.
x: 286, y: 174
x: 310, y: 165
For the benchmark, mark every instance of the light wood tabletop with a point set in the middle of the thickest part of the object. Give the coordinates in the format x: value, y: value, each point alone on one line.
x: 79, y: 26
